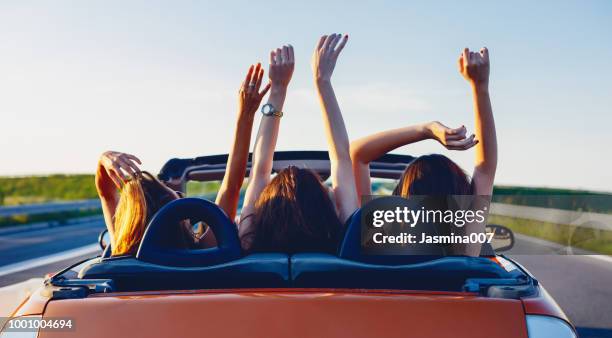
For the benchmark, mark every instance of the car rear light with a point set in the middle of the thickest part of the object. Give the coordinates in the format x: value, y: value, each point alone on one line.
x: 13, y: 328
x: 548, y: 327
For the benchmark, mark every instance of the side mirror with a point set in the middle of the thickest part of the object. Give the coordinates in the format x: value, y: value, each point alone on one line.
x: 104, y: 239
x: 503, y: 237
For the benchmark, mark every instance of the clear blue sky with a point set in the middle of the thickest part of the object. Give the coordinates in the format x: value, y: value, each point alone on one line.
x: 158, y: 79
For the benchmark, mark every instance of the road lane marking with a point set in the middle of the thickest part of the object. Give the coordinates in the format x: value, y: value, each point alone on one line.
x: 604, y: 258
x: 50, y: 259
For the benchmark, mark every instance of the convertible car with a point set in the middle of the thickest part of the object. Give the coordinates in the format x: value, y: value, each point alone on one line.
x: 220, y: 292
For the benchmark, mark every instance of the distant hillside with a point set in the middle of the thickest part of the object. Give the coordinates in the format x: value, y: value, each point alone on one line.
x: 38, y: 189
x: 566, y: 199
x: 515, y: 190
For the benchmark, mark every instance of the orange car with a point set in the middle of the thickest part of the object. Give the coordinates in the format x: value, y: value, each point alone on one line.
x: 218, y: 292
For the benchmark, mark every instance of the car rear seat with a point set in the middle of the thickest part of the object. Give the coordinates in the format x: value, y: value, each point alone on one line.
x: 156, y: 268
x: 351, y: 269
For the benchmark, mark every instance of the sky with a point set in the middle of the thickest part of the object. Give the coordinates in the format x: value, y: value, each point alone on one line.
x: 160, y: 79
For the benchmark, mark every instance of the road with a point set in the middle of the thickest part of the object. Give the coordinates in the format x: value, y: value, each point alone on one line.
x: 582, y: 285
x: 17, y: 247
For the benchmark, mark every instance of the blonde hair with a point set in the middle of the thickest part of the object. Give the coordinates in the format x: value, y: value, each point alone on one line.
x: 140, y: 199
x: 130, y: 219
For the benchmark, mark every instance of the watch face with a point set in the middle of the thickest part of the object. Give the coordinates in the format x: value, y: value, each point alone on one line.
x: 267, y: 109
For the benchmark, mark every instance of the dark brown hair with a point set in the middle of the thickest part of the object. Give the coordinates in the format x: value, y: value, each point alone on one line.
x: 294, y: 213
x: 433, y: 174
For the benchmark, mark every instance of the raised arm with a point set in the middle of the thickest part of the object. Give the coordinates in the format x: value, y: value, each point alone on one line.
x: 114, y: 169
x: 281, y: 69
x: 249, y: 98
x: 475, y: 69
x: 343, y: 183
x: 372, y: 147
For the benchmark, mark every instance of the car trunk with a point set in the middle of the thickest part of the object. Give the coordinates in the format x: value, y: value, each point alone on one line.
x: 289, y: 313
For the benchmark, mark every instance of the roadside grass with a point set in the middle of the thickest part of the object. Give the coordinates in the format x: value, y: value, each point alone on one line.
x: 40, y: 189
x: 59, y: 218
x: 596, y: 240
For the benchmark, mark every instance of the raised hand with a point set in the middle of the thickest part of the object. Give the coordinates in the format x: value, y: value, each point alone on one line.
x: 343, y: 181
x: 452, y: 139
x: 282, y: 62
x: 326, y: 54
x: 475, y: 66
x: 249, y: 98
x: 249, y: 95
x: 119, y: 167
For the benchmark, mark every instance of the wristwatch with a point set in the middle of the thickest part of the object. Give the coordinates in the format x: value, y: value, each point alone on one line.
x: 270, y: 110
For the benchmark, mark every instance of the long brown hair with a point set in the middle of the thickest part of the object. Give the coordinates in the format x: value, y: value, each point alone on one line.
x: 433, y: 174
x: 294, y: 213
x: 139, y: 200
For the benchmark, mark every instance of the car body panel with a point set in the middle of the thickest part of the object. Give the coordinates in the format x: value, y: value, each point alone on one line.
x: 291, y: 313
x: 33, y: 305
x: 543, y: 304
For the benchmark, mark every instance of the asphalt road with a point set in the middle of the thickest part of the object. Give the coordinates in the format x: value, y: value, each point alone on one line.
x: 582, y: 285
x: 24, y: 245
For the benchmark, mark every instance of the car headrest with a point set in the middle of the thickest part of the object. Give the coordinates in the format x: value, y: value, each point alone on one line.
x: 153, y: 247
x: 351, y: 245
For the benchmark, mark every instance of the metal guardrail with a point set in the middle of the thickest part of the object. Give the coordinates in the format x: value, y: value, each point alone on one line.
x: 44, y: 208
x: 558, y: 216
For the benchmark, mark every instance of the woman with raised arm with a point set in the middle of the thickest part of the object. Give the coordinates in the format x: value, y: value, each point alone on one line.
x: 249, y: 99
x: 130, y: 197
x: 295, y: 211
x: 436, y: 174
